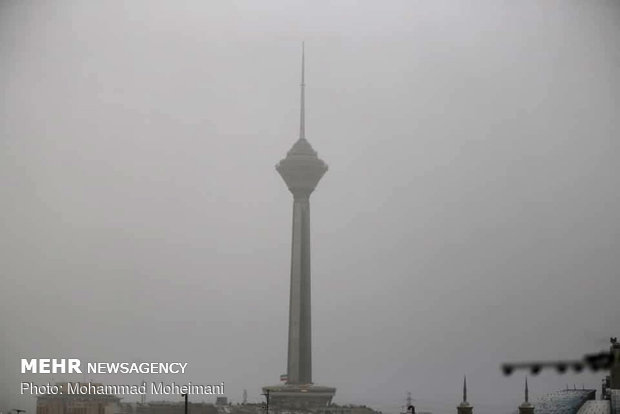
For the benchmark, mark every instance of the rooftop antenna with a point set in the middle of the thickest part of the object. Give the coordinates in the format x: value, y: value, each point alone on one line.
x: 409, y: 407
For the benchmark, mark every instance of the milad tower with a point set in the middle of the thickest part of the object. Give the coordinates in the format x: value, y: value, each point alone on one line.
x: 301, y: 170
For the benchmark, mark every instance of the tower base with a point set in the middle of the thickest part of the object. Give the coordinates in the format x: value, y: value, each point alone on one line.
x: 299, y: 396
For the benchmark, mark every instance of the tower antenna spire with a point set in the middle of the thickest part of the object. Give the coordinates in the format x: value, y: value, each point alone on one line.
x: 302, y: 116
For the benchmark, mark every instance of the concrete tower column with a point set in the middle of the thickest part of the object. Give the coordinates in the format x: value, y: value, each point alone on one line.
x: 299, y: 366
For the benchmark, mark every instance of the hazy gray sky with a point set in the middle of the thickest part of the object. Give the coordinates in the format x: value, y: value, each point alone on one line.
x: 470, y: 215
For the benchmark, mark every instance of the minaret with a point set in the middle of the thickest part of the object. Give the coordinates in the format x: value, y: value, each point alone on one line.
x: 464, y: 407
x: 526, y: 407
x: 301, y: 170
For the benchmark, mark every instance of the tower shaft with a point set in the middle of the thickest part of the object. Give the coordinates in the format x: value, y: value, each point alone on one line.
x: 299, y: 367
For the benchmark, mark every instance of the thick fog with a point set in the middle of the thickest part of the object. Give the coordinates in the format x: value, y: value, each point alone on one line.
x: 470, y: 215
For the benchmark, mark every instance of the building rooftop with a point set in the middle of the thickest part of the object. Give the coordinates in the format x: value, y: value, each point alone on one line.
x: 563, y: 402
x: 595, y: 407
